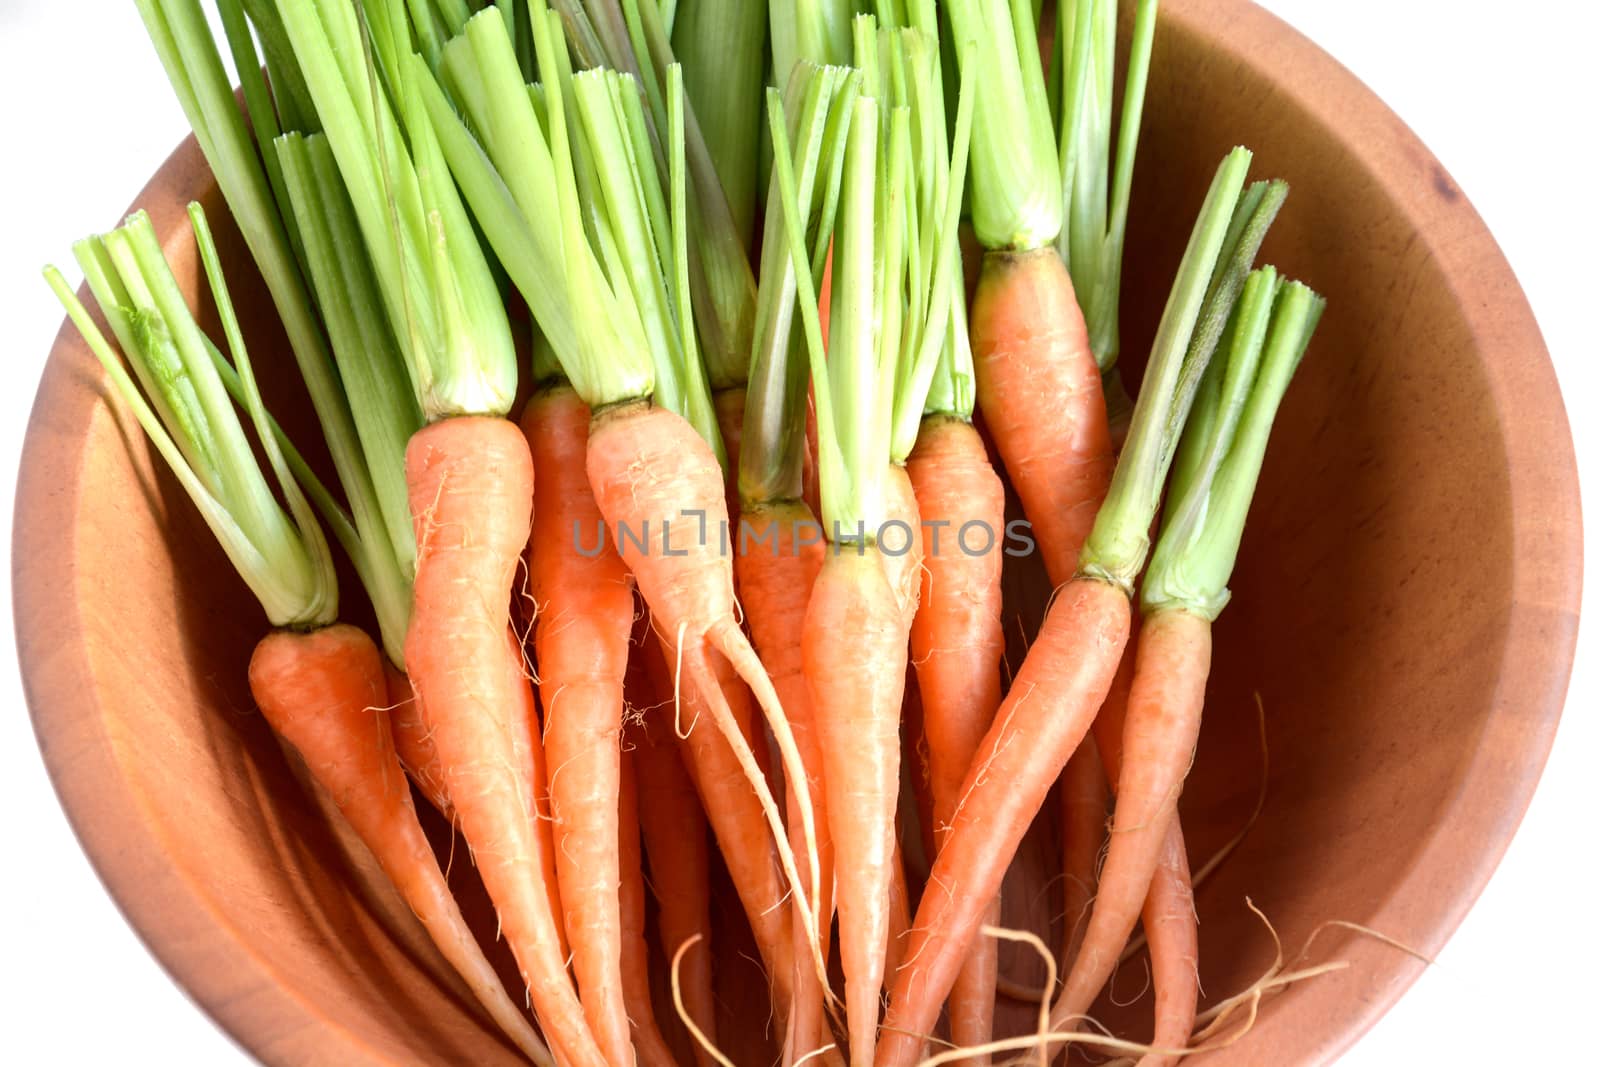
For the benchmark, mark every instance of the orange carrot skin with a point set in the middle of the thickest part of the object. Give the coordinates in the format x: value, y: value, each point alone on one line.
x: 1158, y: 741
x: 957, y: 642
x: 647, y: 1039
x: 649, y: 468
x: 325, y: 694
x: 730, y: 805
x: 412, y: 742
x: 674, y: 831
x: 1042, y: 402
x: 902, y: 559
x: 1083, y: 832
x: 584, y: 620
x: 778, y: 554
x: 1170, y: 925
x: 471, y: 487
x: 1044, y: 717
x: 855, y: 651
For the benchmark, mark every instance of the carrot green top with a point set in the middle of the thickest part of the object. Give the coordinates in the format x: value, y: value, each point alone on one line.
x: 813, y: 31
x: 562, y: 178
x: 631, y: 36
x: 279, y: 551
x: 1016, y: 179
x: 1093, y: 229
x: 722, y: 45
x: 440, y: 294
x: 817, y: 106
x: 1226, y: 237
x: 298, y: 222
x: 895, y: 271
x: 1219, y: 460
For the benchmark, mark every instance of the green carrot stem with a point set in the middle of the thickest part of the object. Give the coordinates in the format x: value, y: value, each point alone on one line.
x: 1225, y: 444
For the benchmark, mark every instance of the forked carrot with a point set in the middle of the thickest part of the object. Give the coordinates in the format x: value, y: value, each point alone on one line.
x: 471, y: 485
x: 584, y: 619
x: 653, y: 474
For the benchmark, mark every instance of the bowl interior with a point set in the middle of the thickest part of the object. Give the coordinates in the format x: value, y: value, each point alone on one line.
x: 1402, y: 622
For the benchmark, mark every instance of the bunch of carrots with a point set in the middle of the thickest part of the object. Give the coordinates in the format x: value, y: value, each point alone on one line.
x: 671, y: 452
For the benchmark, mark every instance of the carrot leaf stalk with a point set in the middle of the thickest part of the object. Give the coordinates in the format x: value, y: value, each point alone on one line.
x: 438, y: 289
x: 631, y: 36
x: 818, y: 103
x: 722, y: 45
x: 377, y: 529
x: 1095, y: 187
x: 1232, y: 223
x: 1016, y: 179
x: 815, y: 31
x: 1219, y: 460
x: 279, y: 551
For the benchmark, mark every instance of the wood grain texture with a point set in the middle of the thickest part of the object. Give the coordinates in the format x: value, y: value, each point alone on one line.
x: 1406, y: 607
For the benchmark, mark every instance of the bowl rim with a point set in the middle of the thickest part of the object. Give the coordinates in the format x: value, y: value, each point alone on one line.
x: 211, y: 962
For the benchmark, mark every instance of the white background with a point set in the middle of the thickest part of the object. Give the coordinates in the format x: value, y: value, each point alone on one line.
x: 1505, y: 101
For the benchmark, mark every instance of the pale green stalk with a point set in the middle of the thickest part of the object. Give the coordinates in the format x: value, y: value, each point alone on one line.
x: 722, y: 45
x: 281, y: 554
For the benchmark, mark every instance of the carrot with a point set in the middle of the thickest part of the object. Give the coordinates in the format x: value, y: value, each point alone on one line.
x: 651, y: 473
x: 1183, y: 592
x: 471, y: 483
x: 673, y: 827
x: 1039, y: 391
x: 1163, y: 721
x: 1052, y: 700
x: 956, y: 646
x: 1083, y: 829
x: 647, y: 1038
x: 889, y: 316
x: 412, y: 742
x: 323, y: 692
x: 722, y: 780
x: 780, y: 552
x: 1069, y: 668
x: 1171, y: 927
x: 584, y: 620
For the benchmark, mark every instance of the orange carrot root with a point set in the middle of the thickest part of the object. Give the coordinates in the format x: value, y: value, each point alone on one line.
x: 1040, y: 394
x: 324, y: 693
x: 471, y: 489
x: 654, y: 475
x: 647, y: 1038
x: 854, y: 651
x: 674, y: 831
x: 777, y: 565
x: 957, y: 642
x: 1044, y: 717
x: 1158, y: 740
x: 584, y: 620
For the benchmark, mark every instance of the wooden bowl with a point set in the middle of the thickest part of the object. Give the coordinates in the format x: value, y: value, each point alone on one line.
x: 1405, y: 608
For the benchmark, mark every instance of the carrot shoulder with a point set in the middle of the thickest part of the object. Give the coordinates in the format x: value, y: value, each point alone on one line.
x: 324, y: 693
x: 1042, y: 402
